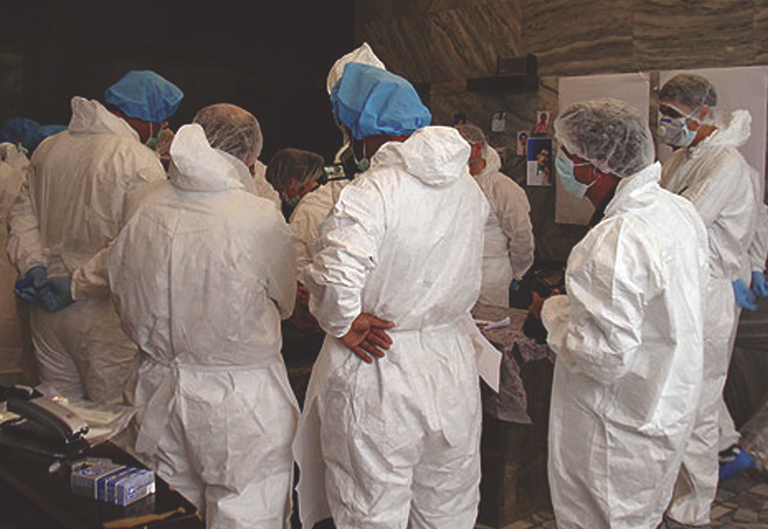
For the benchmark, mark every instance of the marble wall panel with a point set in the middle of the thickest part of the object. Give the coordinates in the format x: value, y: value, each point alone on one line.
x: 467, y: 42
x: 403, y: 44
x: 693, y: 34
x: 579, y: 38
x: 377, y: 10
x: 760, y: 31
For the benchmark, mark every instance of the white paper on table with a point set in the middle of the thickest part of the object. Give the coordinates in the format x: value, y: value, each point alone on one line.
x: 487, y: 356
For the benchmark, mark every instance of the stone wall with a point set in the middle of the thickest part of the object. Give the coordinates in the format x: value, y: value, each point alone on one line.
x: 439, y: 44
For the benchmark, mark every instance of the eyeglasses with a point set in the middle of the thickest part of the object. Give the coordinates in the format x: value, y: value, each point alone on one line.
x: 670, y: 112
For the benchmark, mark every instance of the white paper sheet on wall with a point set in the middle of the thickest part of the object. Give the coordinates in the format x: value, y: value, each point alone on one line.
x: 631, y: 88
x: 740, y: 88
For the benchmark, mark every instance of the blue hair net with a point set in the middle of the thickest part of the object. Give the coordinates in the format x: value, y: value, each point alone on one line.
x: 145, y: 95
x: 375, y: 102
x: 27, y: 132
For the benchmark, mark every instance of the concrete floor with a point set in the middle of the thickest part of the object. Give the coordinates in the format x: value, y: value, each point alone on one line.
x: 742, y: 503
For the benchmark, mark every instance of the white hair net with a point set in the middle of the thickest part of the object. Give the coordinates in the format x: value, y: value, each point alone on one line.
x: 691, y: 90
x: 363, y: 55
x: 231, y: 129
x: 609, y: 133
x: 473, y: 134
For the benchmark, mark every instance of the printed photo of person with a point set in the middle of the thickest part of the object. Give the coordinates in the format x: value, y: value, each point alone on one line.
x: 522, y: 143
x: 539, y: 170
x: 542, y: 122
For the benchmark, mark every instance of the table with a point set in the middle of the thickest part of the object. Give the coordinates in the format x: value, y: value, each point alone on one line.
x: 514, y: 452
x: 33, y: 497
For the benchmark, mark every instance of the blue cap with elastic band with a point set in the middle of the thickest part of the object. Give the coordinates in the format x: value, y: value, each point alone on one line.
x: 145, y: 95
x: 374, y: 102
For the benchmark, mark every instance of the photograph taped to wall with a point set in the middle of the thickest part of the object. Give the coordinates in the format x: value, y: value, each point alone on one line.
x: 539, y: 169
x: 542, y: 123
x: 632, y: 89
x: 740, y: 88
x: 499, y: 122
x: 522, y: 142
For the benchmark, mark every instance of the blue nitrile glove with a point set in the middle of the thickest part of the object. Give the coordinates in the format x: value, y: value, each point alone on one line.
x: 29, y: 286
x: 515, y: 286
x: 744, y: 297
x: 56, y: 293
x: 759, y: 284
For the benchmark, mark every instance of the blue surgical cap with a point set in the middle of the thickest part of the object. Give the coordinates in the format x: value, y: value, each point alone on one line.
x: 375, y: 102
x: 27, y: 132
x: 145, y: 95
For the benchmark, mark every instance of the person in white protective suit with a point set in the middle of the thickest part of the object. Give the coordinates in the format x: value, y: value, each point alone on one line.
x: 314, y: 207
x: 708, y: 170
x: 399, y: 434
x: 211, y: 118
x: 15, y: 364
x: 628, y: 335
x: 68, y: 211
x: 294, y: 174
x: 20, y: 137
x: 201, y: 275
x: 509, y: 245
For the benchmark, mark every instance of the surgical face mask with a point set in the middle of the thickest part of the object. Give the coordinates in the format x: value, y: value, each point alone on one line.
x: 290, y: 201
x: 363, y: 164
x: 151, y: 142
x: 675, y: 131
x: 564, y: 167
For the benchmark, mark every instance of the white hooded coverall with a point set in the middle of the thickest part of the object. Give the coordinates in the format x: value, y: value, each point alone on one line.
x: 262, y: 188
x: 201, y: 275
x: 509, y: 245
x: 310, y: 212
x: 399, y: 438
x: 14, y: 365
x: 70, y: 208
x: 628, y: 338
x: 714, y: 176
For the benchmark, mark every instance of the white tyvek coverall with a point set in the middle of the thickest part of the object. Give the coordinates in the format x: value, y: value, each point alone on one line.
x: 755, y: 260
x: 399, y: 438
x: 14, y: 365
x: 509, y: 245
x: 715, y: 177
x: 201, y: 275
x: 310, y: 212
x: 629, y: 368
x: 70, y: 208
x: 262, y: 188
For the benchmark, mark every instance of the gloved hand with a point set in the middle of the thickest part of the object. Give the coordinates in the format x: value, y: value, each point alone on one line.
x: 28, y: 288
x: 759, y: 284
x: 744, y: 297
x: 56, y: 293
x: 515, y: 286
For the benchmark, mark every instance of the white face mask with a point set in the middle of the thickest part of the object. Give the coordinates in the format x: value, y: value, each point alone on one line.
x: 675, y: 132
x: 564, y: 167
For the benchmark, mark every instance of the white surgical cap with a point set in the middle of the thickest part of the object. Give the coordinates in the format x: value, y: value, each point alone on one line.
x: 473, y: 134
x: 691, y: 90
x: 609, y: 133
x: 231, y: 129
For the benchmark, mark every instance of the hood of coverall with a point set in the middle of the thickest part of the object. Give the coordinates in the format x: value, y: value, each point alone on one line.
x: 492, y: 162
x: 437, y: 156
x: 90, y: 117
x: 734, y: 133
x: 196, y: 166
